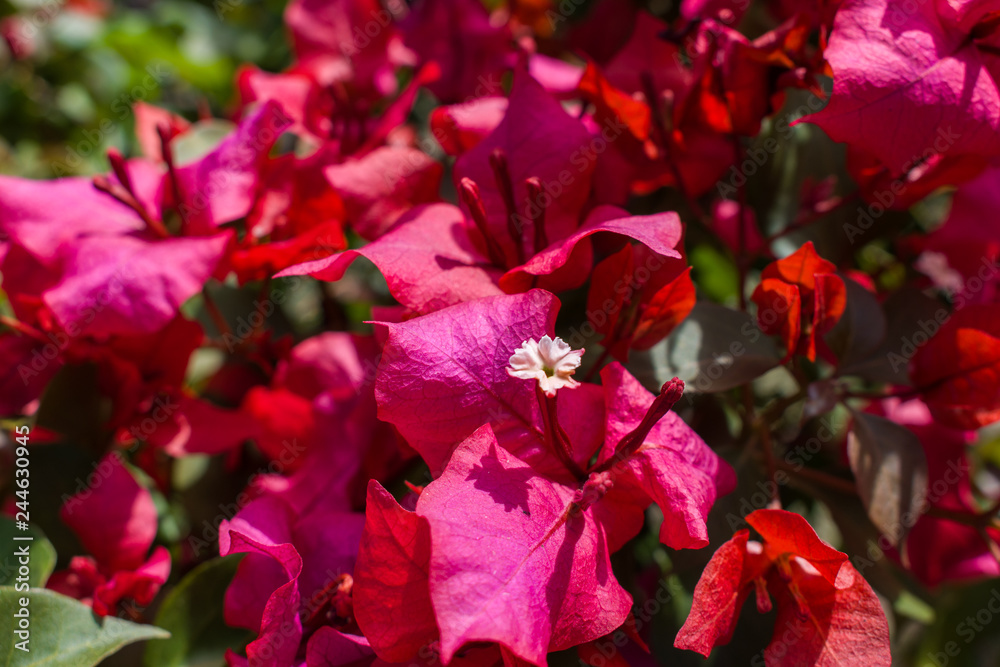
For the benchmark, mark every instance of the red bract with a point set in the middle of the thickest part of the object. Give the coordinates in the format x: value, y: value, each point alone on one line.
x: 927, y: 69
x: 330, y: 41
x: 381, y: 186
x: 221, y: 186
x: 637, y: 297
x: 800, y: 298
x: 958, y: 370
x: 392, y: 602
x: 115, y: 520
x: 827, y: 612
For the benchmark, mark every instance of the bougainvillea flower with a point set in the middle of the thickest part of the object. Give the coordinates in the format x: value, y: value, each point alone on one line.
x: 346, y: 443
x: 800, y: 298
x: 937, y: 86
x: 637, y: 298
x: 458, y: 36
x: 551, y: 362
x: 731, y: 95
x: 544, y: 521
x: 512, y: 564
x: 879, y: 186
x: 135, y: 371
x: 523, y: 227
x: 958, y: 371
x: 321, y: 398
x: 126, y: 285
x: 392, y: 602
x: 115, y: 521
x: 108, y: 266
x: 827, y: 612
x: 465, y: 384
x: 535, y: 533
x: 29, y: 219
x: 536, y: 139
x: 652, y: 69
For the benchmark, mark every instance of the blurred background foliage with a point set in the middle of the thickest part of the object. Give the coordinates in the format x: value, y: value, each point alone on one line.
x: 70, y: 71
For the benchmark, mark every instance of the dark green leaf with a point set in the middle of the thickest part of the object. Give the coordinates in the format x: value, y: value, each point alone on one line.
x: 891, y: 473
x: 714, y: 349
x: 861, y: 330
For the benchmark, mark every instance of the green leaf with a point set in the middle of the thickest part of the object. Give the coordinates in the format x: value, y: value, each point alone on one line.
x: 42, y: 555
x: 715, y: 275
x: 714, y: 349
x: 891, y: 472
x: 64, y: 632
x: 193, y: 613
x: 909, y: 605
x: 200, y: 140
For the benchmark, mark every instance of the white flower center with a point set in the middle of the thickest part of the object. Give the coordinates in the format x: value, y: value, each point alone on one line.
x: 551, y: 362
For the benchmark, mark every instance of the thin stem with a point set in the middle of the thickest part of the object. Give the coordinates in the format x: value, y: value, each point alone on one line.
x: 104, y: 184
x: 557, y: 436
x: 908, y: 392
x: 796, y: 225
x: 599, y: 363
x: 168, y: 156
x: 217, y: 317
x: 663, y: 139
x: 23, y: 328
x: 836, y: 483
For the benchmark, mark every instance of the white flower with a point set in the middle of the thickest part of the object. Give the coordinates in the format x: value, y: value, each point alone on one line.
x: 551, y: 362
